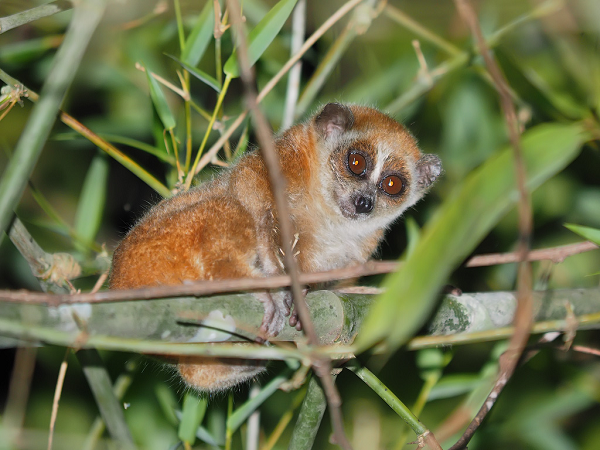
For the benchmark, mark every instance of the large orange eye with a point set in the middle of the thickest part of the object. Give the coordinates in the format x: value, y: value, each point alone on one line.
x: 357, y: 163
x: 392, y: 185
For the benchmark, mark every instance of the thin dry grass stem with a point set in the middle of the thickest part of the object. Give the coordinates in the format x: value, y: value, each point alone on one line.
x: 523, y: 319
x: 57, y: 393
x: 321, y: 365
x: 554, y: 254
x: 18, y: 392
x: 423, y: 69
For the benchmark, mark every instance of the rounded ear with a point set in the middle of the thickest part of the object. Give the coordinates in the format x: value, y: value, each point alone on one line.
x: 429, y: 168
x: 333, y: 119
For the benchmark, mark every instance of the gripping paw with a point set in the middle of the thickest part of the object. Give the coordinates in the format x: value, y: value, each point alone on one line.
x: 277, y: 308
x: 278, y: 305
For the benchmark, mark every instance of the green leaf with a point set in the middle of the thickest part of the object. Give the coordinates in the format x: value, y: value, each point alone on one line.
x: 465, y: 218
x: 91, y: 201
x: 591, y: 234
x: 413, y: 233
x: 200, y: 37
x: 192, y: 415
x: 202, y: 76
x: 243, y: 412
x: 168, y: 402
x: 160, y: 102
x: 262, y: 35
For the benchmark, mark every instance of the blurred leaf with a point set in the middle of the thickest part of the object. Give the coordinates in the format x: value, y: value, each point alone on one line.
x: 262, y: 35
x: 202, y: 76
x: 454, y: 385
x: 167, y: 402
x: 243, y: 412
x: 413, y: 234
x: 591, y: 234
x: 160, y: 102
x: 200, y: 36
x: 21, y: 52
x: 192, y: 415
x: 90, y: 208
x: 204, y: 435
x: 531, y: 89
x: 461, y: 222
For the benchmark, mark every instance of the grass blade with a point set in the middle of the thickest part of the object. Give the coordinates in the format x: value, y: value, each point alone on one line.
x: 591, y: 234
x: 459, y: 225
x: 200, y: 37
x: 91, y: 202
x: 202, y: 76
x: 191, y: 417
x: 262, y: 35
x: 160, y: 102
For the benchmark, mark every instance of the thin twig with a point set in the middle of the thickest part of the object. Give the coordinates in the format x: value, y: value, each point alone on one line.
x: 554, y: 254
x: 524, y: 313
x: 199, y: 288
x: 586, y: 350
x: 321, y: 365
x: 57, y: 393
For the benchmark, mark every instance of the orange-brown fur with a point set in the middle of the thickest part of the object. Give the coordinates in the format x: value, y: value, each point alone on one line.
x: 227, y: 228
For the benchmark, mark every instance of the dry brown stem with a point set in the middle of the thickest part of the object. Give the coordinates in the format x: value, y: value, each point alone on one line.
x: 321, y: 365
x: 524, y: 313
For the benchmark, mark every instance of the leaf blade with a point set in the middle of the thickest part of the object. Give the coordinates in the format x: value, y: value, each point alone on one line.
x: 160, y: 102
x: 261, y: 36
x: 589, y: 233
x: 202, y: 76
x: 90, y: 208
x: 460, y: 223
x: 200, y: 36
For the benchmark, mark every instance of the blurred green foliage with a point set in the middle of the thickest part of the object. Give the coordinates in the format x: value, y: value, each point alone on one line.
x: 549, y: 54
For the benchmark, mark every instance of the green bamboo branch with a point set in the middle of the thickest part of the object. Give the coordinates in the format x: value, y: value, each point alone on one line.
x: 30, y: 15
x: 86, y: 17
x: 310, y: 417
x: 387, y: 396
x: 337, y: 317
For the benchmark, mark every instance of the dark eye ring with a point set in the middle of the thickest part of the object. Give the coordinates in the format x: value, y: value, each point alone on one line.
x: 357, y: 164
x: 392, y: 185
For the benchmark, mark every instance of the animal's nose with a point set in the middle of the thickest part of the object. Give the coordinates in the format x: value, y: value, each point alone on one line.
x: 363, y: 204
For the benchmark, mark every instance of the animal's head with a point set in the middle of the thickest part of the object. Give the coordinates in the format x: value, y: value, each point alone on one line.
x: 372, y: 167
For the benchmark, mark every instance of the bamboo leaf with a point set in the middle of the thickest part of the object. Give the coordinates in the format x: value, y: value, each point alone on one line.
x: 160, y: 102
x: 461, y: 222
x: 91, y: 201
x: 591, y: 234
x: 200, y: 37
x: 202, y: 76
x: 191, y: 417
x: 262, y: 35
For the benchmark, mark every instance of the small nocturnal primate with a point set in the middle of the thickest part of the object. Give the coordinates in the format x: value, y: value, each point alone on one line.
x: 350, y: 171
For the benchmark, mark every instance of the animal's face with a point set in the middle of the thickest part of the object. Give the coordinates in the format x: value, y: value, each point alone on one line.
x: 374, y: 167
